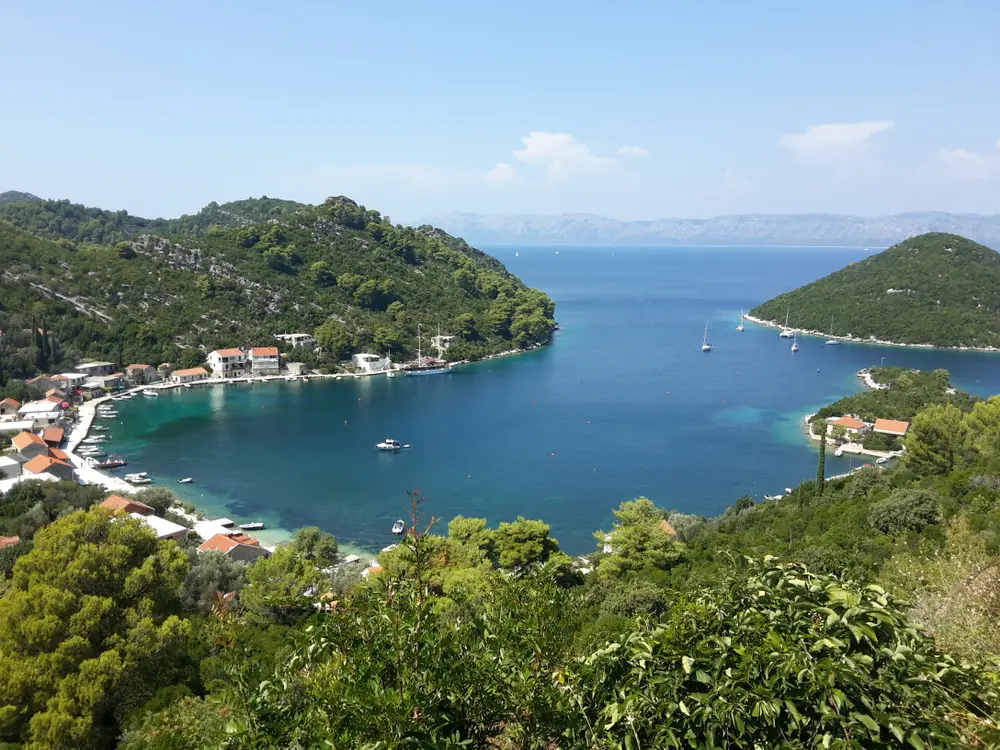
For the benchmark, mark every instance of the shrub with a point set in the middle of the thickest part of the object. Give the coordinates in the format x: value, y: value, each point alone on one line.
x: 905, y: 510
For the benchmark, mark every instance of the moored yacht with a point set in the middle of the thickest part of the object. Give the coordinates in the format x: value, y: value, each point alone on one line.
x: 389, y: 444
x: 786, y: 332
x: 705, y: 346
x: 740, y: 326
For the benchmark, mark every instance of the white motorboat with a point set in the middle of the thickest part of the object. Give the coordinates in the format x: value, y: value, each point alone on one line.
x: 94, y: 439
x: 100, y: 428
x: 185, y: 480
x: 740, y: 326
x: 92, y: 452
x: 132, y: 479
x: 252, y: 526
x: 705, y: 346
x: 187, y: 385
x: 149, y: 392
x: 839, y: 452
x: 389, y: 444
x: 881, y: 460
x: 399, y: 527
x: 137, y: 475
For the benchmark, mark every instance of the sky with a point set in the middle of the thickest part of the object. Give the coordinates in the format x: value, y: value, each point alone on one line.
x: 634, y: 110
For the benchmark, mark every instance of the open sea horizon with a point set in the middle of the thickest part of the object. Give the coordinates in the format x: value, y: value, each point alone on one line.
x: 623, y: 403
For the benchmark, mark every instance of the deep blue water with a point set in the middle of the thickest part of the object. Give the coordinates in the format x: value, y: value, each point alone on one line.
x: 624, y: 403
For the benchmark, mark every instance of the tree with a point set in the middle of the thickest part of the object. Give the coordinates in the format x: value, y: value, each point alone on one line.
x: 282, y: 587
x: 640, y: 539
x: 386, y: 338
x: 466, y: 280
x: 209, y: 575
x: 821, y: 467
x: 321, y: 274
x: 523, y: 543
x: 86, y: 629
x: 316, y: 545
x: 466, y: 325
x: 905, y: 510
x: 938, y: 441
x: 333, y: 338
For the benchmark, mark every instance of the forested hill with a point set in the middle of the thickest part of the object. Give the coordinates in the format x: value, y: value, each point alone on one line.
x: 129, y: 289
x: 15, y: 196
x: 938, y: 289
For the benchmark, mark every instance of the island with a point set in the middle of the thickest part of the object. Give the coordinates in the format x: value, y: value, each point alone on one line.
x: 105, y: 285
x: 935, y: 289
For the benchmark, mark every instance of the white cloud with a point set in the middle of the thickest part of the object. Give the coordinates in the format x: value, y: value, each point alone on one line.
x: 633, y: 152
x: 561, y: 154
x: 966, y: 164
x: 502, y: 172
x: 834, y: 142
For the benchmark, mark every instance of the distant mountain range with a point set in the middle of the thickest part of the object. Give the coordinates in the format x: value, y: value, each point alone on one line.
x: 749, y: 229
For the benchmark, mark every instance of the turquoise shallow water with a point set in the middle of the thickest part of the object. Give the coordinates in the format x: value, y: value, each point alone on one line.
x: 623, y: 403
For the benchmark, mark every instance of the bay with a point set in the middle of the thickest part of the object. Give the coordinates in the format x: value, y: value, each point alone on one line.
x: 622, y: 404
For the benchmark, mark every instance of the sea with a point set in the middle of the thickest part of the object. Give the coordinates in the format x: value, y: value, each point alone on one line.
x: 622, y: 404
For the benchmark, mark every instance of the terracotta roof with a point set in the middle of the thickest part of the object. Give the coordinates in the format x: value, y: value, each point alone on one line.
x: 54, y: 392
x: 40, y: 464
x: 53, y: 435
x: 849, y: 422
x: 218, y: 543
x: 36, y: 379
x: 245, y: 539
x: 228, y: 352
x: 23, y: 439
x: 667, y: 528
x: 118, y: 503
x: 138, y: 367
x: 9, y: 541
x: 264, y: 351
x: 60, y: 454
x: 11, y: 402
x: 191, y: 371
x: 54, y: 399
x: 892, y: 426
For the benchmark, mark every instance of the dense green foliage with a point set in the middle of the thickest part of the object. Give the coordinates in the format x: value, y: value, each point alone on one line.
x: 907, y: 392
x: 938, y: 289
x: 126, y: 289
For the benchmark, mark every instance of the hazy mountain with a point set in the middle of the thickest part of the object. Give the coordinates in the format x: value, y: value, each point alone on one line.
x: 15, y: 196
x: 749, y: 229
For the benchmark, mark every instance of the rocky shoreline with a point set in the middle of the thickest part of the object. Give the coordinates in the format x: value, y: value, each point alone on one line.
x: 869, y: 340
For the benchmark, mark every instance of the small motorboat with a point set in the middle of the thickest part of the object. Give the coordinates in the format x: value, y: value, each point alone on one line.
x: 389, y: 444
x: 142, y: 480
x: 187, y: 385
x: 112, y: 462
x: 881, y: 460
x: 185, y: 480
x: 99, y: 428
x: 137, y: 475
x: 94, y: 439
x: 406, y: 445
x: 149, y: 392
x: 252, y: 526
x: 399, y: 527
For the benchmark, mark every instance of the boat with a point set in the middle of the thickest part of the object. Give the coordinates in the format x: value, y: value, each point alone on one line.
x: 705, y: 346
x: 795, y: 343
x: 111, y: 462
x: 389, y: 445
x: 516, y: 253
x: 149, y: 392
x: 881, y: 460
x: 100, y: 428
x: 139, y: 480
x: 425, y: 365
x: 252, y: 526
x: 786, y: 333
x: 406, y: 445
x: 93, y: 453
x: 185, y: 480
x: 187, y: 385
x: 839, y: 452
x: 137, y: 475
x: 399, y: 527
x: 94, y: 439
x: 740, y: 326
x: 831, y: 341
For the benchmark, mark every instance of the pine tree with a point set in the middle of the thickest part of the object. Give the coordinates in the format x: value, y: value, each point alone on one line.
x: 821, y: 469
x: 46, y: 350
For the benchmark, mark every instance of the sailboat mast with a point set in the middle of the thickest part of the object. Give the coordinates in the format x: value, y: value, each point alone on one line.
x: 419, y: 355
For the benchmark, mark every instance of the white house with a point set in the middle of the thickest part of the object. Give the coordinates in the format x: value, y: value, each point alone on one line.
x: 93, y: 369
x: 189, y: 375
x: 163, y: 528
x: 369, y: 362
x: 264, y: 360
x: 41, y: 413
x: 228, y: 363
x: 74, y: 379
x: 297, y: 339
x: 850, y: 425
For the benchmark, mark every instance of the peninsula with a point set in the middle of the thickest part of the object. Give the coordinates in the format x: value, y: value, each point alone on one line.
x: 106, y: 285
x: 934, y: 289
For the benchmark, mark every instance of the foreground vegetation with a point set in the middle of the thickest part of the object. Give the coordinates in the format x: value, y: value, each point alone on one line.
x: 112, y: 286
x: 938, y: 289
x: 852, y: 613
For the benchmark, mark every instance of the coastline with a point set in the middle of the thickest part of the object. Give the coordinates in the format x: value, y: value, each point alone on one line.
x: 869, y: 340
x: 88, y: 414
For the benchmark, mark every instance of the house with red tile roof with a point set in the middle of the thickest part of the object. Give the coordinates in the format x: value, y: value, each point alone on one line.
x: 140, y: 374
x: 228, y: 363
x: 231, y: 547
x: 9, y: 407
x: 9, y: 541
x: 29, y: 444
x: 190, y: 375
x: 53, y: 436
x: 264, y: 360
x: 892, y: 427
x: 667, y: 528
x: 60, y: 454
x: 119, y: 504
x: 850, y: 425
x: 47, y: 465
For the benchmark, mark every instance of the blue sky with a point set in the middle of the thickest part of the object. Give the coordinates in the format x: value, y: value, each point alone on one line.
x: 632, y: 110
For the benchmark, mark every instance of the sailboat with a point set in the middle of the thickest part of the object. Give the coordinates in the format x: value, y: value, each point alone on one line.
x: 795, y: 343
x: 705, y: 346
x: 785, y: 332
x: 831, y: 341
x: 740, y: 326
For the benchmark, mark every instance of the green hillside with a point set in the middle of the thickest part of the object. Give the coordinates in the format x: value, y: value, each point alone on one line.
x: 116, y: 286
x: 938, y: 289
